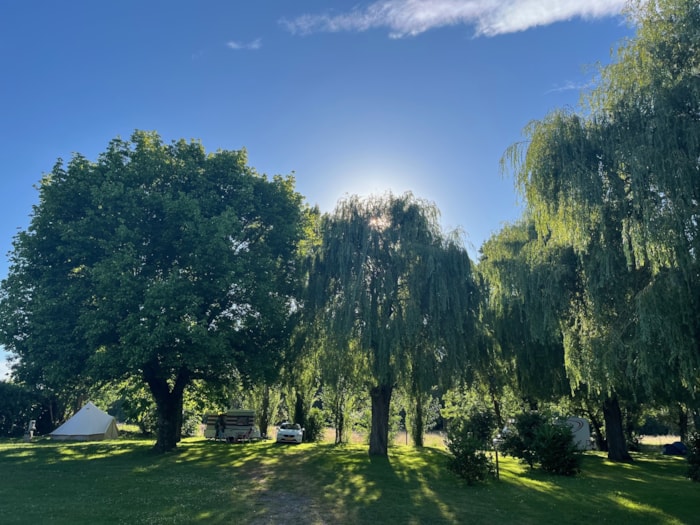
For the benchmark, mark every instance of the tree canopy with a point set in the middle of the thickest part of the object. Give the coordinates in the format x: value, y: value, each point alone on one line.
x: 390, y: 285
x: 157, y: 261
x: 619, y: 185
x: 530, y: 285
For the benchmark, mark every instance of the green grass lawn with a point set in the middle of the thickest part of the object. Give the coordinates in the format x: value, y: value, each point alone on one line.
x: 122, y: 481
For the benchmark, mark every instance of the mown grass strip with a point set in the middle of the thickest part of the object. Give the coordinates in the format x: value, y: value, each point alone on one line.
x: 123, y: 481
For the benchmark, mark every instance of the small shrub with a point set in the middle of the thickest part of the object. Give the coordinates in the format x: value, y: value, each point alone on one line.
x: 147, y: 421
x: 314, y: 428
x: 191, y: 424
x: 520, y: 439
x: 556, y: 451
x: 482, y: 424
x: 694, y: 456
x: 535, y: 440
x: 470, y: 461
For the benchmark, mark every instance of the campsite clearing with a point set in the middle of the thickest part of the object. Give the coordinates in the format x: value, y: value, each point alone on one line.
x: 123, y: 481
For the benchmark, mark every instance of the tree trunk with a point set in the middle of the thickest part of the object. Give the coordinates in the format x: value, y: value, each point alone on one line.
x: 299, y: 410
x: 600, y: 442
x: 52, y: 416
x: 592, y: 415
x: 265, y: 411
x: 682, y: 422
x: 617, y: 447
x: 379, y: 433
x: 417, y: 423
x: 339, y: 419
x: 497, y: 411
x: 180, y: 415
x: 169, y: 408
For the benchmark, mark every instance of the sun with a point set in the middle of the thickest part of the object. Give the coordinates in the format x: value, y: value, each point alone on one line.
x: 366, y: 178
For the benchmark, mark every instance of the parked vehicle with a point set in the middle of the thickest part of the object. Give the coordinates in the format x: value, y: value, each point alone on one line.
x: 290, y: 433
x: 234, y: 426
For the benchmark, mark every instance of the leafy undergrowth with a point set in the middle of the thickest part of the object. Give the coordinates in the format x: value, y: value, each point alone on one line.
x: 123, y: 481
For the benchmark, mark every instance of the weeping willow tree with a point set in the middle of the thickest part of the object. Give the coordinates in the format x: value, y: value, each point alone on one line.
x: 444, y: 342
x: 575, y: 201
x: 620, y: 185
x: 530, y: 284
x: 393, y: 288
x: 648, y: 109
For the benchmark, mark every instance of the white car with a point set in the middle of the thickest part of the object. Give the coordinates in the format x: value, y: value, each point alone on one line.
x: 290, y: 433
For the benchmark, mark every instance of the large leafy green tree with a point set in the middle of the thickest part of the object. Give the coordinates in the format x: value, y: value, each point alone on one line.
x: 158, y: 262
x: 391, y: 286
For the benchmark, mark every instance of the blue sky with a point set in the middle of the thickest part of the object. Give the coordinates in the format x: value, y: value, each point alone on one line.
x: 354, y: 97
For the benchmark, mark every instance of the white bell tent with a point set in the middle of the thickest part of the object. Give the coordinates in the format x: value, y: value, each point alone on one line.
x: 88, y: 424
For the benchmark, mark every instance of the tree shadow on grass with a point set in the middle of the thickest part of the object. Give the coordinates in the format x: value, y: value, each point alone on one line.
x: 218, y: 482
x: 206, y: 481
x: 349, y: 486
x: 650, y: 490
x: 325, y: 483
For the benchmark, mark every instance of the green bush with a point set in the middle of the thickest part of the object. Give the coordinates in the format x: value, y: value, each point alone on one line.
x: 535, y: 440
x: 467, y: 447
x: 556, y: 451
x: 19, y: 404
x: 191, y: 424
x: 482, y: 424
x: 694, y: 456
x: 654, y: 426
x: 519, y: 440
x: 315, y: 426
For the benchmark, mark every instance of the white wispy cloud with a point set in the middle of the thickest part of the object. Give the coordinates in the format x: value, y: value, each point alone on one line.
x: 488, y: 17
x: 251, y: 46
x: 569, y: 86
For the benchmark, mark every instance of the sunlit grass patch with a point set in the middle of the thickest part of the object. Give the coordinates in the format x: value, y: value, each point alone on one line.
x: 213, y: 482
x: 644, y: 513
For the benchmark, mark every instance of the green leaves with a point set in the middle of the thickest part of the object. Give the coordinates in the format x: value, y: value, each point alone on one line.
x: 156, y: 257
x: 390, y: 289
x: 392, y: 282
x: 618, y: 187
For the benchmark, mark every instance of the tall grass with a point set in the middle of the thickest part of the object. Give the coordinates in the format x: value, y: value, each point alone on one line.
x: 123, y: 481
